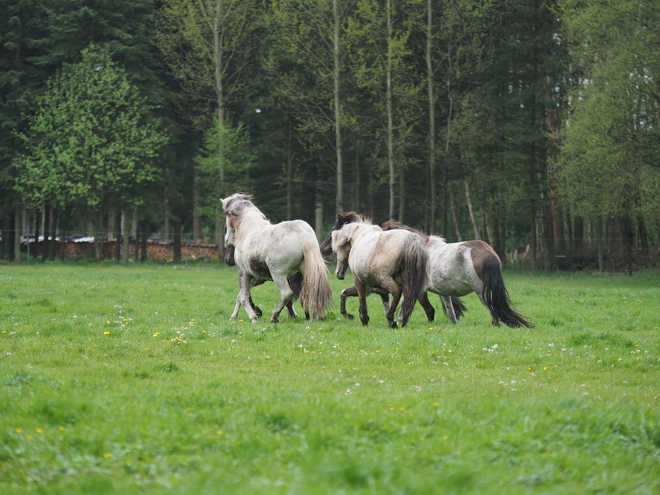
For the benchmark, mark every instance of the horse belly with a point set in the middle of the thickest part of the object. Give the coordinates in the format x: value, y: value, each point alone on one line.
x: 448, y: 277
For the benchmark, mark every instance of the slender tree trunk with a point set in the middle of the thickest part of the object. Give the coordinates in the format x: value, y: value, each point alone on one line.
x: 445, y: 169
x: 337, y: 106
x: 126, y: 235
x: 46, y: 244
x: 197, y: 207
x: 18, y: 232
x: 452, y: 203
x: 176, y: 245
x: 318, y: 213
x: 289, y: 172
x: 601, y: 243
x: 431, y: 95
x: 118, y: 221
x: 390, y: 117
x: 473, y: 218
x: 53, y: 233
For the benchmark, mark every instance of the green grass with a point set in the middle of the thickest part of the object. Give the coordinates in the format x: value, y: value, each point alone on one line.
x: 133, y: 380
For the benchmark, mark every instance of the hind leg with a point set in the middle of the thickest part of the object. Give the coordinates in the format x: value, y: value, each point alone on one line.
x: 449, y: 308
x: 346, y: 293
x: 395, y: 289
x: 286, y: 295
x: 426, y: 304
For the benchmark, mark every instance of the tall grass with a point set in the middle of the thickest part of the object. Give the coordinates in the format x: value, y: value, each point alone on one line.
x: 133, y: 379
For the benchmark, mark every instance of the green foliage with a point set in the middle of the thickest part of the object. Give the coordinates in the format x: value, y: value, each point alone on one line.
x: 133, y: 379
x: 228, y: 149
x: 92, y: 141
x: 611, y: 143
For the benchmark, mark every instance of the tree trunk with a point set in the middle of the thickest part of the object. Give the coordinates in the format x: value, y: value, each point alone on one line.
x: 289, y: 171
x: 197, y: 207
x: 452, y: 203
x: 53, y: 233
x: 318, y: 214
x: 118, y: 221
x: 18, y: 232
x: 473, y: 218
x: 337, y: 107
x: 390, y: 116
x: 176, y: 245
x: 601, y: 243
x: 431, y: 110
x: 126, y: 234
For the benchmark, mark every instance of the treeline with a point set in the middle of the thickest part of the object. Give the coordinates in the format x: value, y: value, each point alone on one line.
x: 531, y: 124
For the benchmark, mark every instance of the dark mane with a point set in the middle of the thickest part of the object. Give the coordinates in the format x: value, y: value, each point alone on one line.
x: 394, y: 225
x: 352, y: 217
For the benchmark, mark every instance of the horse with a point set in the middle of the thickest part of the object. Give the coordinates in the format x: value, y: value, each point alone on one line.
x: 377, y: 259
x: 295, y: 281
x: 459, y: 268
x: 274, y: 252
x: 326, y: 249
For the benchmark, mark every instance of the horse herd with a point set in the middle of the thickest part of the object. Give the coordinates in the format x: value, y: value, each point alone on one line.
x: 391, y: 259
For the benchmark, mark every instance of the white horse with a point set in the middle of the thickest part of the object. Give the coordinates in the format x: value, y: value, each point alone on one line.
x: 459, y: 268
x: 378, y: 259
x: 264, y: 251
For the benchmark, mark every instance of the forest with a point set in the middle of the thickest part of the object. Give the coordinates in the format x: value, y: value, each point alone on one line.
x: 531, y: 124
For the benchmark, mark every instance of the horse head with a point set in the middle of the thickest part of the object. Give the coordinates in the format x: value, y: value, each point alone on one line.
x: 341, y: 244
x: 342, y: 219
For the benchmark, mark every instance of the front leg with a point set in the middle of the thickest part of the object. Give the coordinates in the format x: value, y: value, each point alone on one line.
x: 449, y: 308
x: 362, y: 295
x: 246, y: 282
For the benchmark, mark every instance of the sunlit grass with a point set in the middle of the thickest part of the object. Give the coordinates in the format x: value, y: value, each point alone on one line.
x: 133, y: 379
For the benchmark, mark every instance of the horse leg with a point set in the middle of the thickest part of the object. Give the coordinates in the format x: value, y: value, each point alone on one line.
x: 346, y: 293
x: 246, y: 282
x: 362, y: 295
x: 449, y: 308
x: 295, y: 282
x: 286, y: 295
x: 395, y: 289
x: 426, y: 304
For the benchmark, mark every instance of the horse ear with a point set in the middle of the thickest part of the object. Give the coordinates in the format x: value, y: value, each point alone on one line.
x: 339, y: 217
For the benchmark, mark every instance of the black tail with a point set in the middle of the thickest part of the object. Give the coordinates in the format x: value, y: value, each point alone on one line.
x: 413, y: 277
x: 459, y: 307
x: 497, y: 297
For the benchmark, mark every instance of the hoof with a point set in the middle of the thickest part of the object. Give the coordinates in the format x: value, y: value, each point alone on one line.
x: 257, y: 312
x: 348, y: 315
x: 394, y: 325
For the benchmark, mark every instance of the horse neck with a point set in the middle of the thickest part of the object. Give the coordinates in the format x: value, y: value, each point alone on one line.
x: 250, y: 220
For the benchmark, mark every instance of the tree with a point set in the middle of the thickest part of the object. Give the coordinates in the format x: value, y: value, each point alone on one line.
x: 92, y: 143
x: 609, y: 165
x: 207, y: 44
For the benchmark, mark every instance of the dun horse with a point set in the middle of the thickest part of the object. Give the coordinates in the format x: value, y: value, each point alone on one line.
x: 378, y: 259
x: 326, y: 249
x: 274, y: 252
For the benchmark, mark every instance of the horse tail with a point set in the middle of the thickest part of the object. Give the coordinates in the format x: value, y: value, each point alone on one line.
x: 497, y: 297
x: 316, y: 293
x: 459, y: 307
x: 414, y: 264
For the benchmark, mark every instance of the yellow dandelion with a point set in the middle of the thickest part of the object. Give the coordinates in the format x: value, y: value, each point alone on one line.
x: 445, y: 437
x: 62, y: 428
x: 436, y: 404
x: 391, y: 409
x: 157, y: 334
x: 29, y: 437
x: 219, y: 432
x: 39, y: 430
x: 18, y: 430
x: 106, y: 333
x: 378, y: 350
x: 4, y: 331
x: 204, y: 331
x: 529, y: 369
x: 430, y: 328
x: 107, y: 455
x: 545, y: 367
x: 402, y: 409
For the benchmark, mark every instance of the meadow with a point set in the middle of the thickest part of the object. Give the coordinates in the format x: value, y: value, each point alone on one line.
x: 132, y: 379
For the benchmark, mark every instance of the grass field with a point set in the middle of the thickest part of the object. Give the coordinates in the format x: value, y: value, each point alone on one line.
x: 118, y: 379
